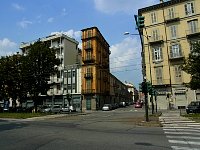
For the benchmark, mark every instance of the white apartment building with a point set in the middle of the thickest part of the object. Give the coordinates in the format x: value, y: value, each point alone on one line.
x: 68, y: 78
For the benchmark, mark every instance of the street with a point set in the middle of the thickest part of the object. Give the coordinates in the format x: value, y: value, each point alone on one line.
x: 101, y: 130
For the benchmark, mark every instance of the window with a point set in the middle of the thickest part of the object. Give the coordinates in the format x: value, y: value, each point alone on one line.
x: 88, y: 44
x: 88, y: 55
x: 155, y: 35
x: 73, y: 73
x: 89, y: 33
x: 159, y: 75
x: 175, y: 51
x: 171, y: 13
x: 157, y: 54
x: 189, y: 9
x: 69, y: 74
x: 153, y: 17
x: 178, y: 75
x: 193, y: 26
x: 173, y: 31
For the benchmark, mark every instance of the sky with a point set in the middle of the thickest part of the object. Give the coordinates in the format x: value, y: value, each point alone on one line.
x: 28, y: 20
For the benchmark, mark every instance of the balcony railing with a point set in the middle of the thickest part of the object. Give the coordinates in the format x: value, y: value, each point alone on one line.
x: 89, y: 59
x: 172, y: 18
x: 156, y: 40
x: 161, y: 82
x: 88, y: 47
x: 88, y: 91
x: 176, y: 55
x: 88, y: 75
x: 192, y: 32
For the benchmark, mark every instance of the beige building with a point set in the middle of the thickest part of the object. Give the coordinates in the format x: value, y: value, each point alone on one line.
x: 170, y: 28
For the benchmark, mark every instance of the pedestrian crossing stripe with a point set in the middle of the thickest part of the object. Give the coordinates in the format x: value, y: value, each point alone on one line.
x: 183, y: 137
x: 186, y: 130
x: 182, y: 133
x: 183, y: 148
x: 184, y: 142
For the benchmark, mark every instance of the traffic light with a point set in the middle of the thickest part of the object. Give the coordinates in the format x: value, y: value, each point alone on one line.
x: 140, y: 87
x: 149, y: 86
x: 144, y: 87
x: 140, y: 22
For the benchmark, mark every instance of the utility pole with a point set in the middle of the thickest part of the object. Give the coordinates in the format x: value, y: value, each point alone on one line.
x: 140, y: 25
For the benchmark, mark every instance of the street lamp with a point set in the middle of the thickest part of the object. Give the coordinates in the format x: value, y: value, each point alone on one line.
x: 144, y: 73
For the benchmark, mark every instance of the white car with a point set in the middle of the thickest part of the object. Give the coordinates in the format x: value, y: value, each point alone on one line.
x: 106, y: 107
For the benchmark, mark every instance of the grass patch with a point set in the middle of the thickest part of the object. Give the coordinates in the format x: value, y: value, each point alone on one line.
x: 20, y: 115
x: 195, y: 117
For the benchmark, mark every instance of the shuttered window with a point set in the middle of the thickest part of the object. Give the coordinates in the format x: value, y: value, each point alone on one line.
x: 189, y: 9
x: 153, y: 18
x: 159, y: 74
x: 173, y: 31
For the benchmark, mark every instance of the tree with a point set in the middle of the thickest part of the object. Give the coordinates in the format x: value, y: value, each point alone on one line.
x: 192, y: 67
x: 39, y: 65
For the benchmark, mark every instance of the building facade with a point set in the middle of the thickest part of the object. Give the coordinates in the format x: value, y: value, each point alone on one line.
x: 99, y: 86
x: 67, y: 80
x: 170, y: 28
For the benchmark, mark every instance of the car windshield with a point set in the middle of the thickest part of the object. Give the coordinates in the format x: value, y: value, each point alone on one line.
x: 193, y: 104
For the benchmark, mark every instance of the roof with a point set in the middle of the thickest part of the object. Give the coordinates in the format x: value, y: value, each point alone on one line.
x: 160, y: 5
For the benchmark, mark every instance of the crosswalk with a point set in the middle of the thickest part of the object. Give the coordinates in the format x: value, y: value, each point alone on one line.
x: 182, y: 133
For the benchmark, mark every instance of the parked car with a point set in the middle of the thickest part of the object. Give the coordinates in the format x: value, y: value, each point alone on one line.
x: 122, y: 104
x: 56, y: 109
x: 193, y: 107
x: 66, y: 109
x: 107, y: 107
x: 138, y: 105
x: 45, y: 109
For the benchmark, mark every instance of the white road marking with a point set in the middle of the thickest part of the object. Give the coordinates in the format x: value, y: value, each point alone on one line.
x: 183, y: 137
x: 184, y: 142
x: 183, y: 148
x: 182, y: 133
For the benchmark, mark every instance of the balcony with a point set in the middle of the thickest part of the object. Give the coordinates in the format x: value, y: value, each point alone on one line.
x: 88, y: 47
x: 156, y: 40
x: 193, y: 33
x: 176, y: 56
x: 161, y: 82
x: 172, y: 18
x: 88, y: 59
x: 88, y: 75
x: 88, y: 91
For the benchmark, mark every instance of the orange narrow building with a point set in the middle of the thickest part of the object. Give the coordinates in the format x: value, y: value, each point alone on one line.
x: 95, y: 70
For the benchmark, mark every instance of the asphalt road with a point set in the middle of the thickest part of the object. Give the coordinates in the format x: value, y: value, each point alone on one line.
x: 99, y: 130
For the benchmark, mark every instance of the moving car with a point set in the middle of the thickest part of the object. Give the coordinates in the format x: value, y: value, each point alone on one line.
x: 193, y: 107
x: 107, y: 107
x: 138, y: 105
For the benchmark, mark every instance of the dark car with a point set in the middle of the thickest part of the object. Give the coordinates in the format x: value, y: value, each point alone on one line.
x: 193, y: 107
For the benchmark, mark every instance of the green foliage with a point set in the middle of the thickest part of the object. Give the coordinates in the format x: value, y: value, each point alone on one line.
x: 20, y: 74
x: 192, y: 67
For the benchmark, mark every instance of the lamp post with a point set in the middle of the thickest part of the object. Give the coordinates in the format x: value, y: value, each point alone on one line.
x: 145, y: 91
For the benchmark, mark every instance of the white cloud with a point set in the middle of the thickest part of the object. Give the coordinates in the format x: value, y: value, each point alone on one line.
x: 126, y: 6
x: 17, y: 6
x: 125, y: 53
x: 7, y: 47
x: 50, y: 20
x: 24, y: 23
